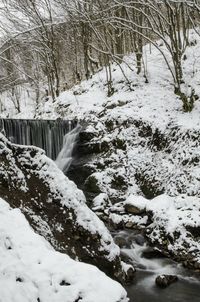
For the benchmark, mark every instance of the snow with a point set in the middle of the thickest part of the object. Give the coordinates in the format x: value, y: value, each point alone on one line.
x: 137, y: 114
x: 138, y: 201
x: 31, y: 270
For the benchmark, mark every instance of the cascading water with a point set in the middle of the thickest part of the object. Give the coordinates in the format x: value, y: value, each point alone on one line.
x: 45, y: 134
x: 148, y: 268
x: 65, y: 158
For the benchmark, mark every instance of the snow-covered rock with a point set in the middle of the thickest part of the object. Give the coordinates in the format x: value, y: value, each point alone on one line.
x: 173, y: 225
x: 31, y: 270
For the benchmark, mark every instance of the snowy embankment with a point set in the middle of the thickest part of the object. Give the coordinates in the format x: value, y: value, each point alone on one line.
x: 30, y: 269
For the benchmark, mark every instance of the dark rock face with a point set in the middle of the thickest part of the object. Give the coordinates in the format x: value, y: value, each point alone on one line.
x: 55, y: 208
x: 152, y: 253
x: 165, y: 280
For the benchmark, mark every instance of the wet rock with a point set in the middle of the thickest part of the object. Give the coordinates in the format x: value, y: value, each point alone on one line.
x: 151, y: 253
x: 86, y: 136
x: 131, y: 209
x: 120, y: 241
x: 129, y: 225
x: 140, y: 240
x: 164, y: 281
x: 130, y: 273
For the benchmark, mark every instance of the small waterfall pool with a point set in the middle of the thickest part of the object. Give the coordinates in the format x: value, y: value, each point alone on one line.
x: 144, y: 289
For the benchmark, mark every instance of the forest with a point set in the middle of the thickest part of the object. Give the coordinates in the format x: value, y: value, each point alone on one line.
x: 99, y: 150
x: 58, y: 43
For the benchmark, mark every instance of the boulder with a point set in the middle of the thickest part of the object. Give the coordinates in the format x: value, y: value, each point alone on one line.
x: 165, y: 280
x: 140, y: 239
x: 132, y: 209
x: 120, y: 241
x: 55, y: 208
x: 151, y: 253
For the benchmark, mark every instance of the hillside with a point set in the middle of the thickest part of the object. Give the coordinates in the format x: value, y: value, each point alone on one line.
x: 138, y: 156
x: 142, y: 144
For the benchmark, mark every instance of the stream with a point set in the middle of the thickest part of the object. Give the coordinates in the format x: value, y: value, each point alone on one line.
x: 149, y: 266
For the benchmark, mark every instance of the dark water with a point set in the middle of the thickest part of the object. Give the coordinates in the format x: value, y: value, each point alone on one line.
x: 45, y: 134
x: 143, y: 289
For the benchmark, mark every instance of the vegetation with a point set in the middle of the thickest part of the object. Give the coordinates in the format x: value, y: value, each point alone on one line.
x: 61, y: 42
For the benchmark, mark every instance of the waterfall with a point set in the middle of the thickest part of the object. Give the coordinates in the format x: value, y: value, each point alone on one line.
x: 65, y: 158
x: 45, y: 134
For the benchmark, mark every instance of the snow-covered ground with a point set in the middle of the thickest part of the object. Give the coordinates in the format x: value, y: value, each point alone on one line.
x: 31, y: 270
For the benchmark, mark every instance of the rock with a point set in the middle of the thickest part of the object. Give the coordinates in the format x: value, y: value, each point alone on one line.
x: 55, y: 208
x: 152, y: 253
x: 131, y: 209
x: 120, y: 241
x: 91, y: 184
x: 129, y: 225
x: 119, y: 144
x: 119, y: 182
x: 114, y: 104
x: 86, y: 136
x: 165, y: 280
x: 130, y: 273
x: 140, y: 240
x: 93, y: 147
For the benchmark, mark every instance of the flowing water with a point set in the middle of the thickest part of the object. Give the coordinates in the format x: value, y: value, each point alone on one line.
x: 65, y: 157
x: 45, y: 134
x: 144, y: 289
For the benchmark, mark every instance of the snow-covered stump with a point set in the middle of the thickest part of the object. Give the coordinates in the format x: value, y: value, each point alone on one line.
x: 56, y: 209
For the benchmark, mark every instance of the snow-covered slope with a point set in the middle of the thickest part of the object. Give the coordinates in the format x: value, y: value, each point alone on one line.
x: 30, y: 269
x: 153, y: 102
